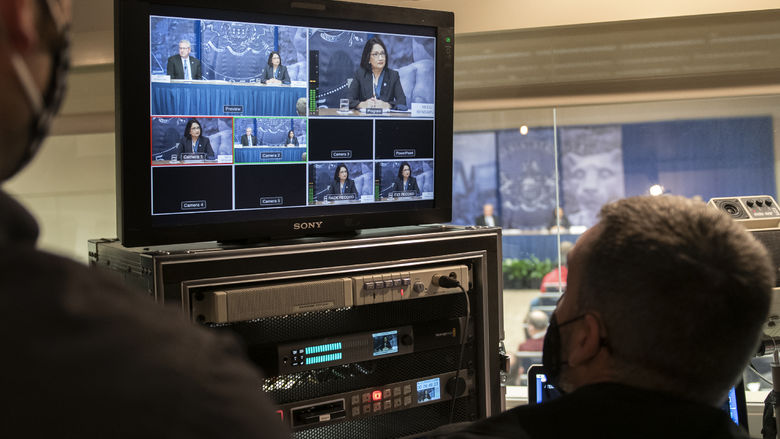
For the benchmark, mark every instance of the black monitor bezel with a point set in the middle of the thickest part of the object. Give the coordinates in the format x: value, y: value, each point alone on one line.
x: 133, y: 183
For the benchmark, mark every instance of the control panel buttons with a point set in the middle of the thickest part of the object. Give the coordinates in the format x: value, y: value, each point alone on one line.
x: 406, y: 281
x: 388, y: 404
x: 377, y: 406
x: 408, y: 400
x: 396, y: 391
x: 356, y: 411
x: 366, y: 397
x: 366, y: 409
x: 355, y: 399
x: 418, y: 287
x: 369, y: 285
x: 407, y: 389
x: 387, y: 393
x: 396, y: 403
x: 749, y: 203
x: 759, y: 203
x: 768, y: 203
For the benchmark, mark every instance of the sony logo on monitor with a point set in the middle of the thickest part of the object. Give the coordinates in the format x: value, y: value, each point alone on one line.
x: 308, y: 225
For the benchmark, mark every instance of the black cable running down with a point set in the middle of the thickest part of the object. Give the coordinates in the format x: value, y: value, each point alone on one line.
x: 448, y: 282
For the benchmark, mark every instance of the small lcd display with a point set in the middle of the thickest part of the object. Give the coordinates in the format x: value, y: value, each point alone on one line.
x: 385, y: 343
x: 428, y: 390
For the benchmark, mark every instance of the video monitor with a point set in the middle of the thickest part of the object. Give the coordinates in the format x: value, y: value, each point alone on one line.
x: 385, y: 343
x: 428, y: 390
x: 260, y: 117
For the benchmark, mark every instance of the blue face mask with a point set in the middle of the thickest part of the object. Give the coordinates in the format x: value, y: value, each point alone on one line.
x: 44, y: 105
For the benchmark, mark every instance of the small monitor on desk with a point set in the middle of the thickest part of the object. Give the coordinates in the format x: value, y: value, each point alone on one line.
x: 540, y: 390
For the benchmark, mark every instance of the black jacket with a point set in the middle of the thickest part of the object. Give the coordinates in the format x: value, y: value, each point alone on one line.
x: 176, y: 70
x: 281, y: 74
x: 605, y: 411
x: 349, y: 188
x: 411, y: 185
x: 245, y: 141
x: 391, y: 92
x: 87, y: 356
x: 204, y: 145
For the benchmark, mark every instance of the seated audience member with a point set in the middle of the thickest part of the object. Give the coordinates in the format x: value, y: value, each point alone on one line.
x: 291, y: 139
x: 194, y: 142
x: 555, y: 280
x: 375, y: 85
x: 184, y: 66
x: 488, y: 218
x: 341, y: 183
x: 536, y: 327
x: 275, y: 72
x: 85, y: 355
x: 554, y: 224
x: 248, y: 139
x: 664, y: 307
x: 404, y: 182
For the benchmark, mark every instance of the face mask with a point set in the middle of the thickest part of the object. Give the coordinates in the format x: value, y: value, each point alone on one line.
x: 44, y: 105
x: 551, y: 350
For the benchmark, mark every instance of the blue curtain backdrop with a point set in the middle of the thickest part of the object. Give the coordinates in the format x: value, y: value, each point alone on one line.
x: 474, y: 176
x: 166, y: 131
x: 230, y: 51
x: 706, y: 158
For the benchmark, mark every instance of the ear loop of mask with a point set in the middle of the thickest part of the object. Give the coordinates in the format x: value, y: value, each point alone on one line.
x: 43, y: 103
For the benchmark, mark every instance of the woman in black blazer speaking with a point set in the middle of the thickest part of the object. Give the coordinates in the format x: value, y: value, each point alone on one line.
x: 275, y: 72
x: 291, y: 139
x: 342, y: 184
x: 193, y: 141
x: 405, y: 182
x: 375, y: 85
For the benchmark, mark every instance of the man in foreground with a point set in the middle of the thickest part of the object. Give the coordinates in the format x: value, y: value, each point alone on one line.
x: 664, y: 307
x: 83, y: 356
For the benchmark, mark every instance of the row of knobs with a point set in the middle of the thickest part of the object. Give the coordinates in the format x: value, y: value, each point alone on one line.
x: 759, y: 203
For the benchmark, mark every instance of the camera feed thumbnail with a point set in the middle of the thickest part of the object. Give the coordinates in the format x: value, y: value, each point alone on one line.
x: 346, y: 182
x: 266, y: 186
x: 269, y: 140
x: 385, y: 343
x: 214, y: 67
x: 404, y: 180
x: 191, y: 140
x: 191, y: 189
x: 428, y: 390
x: 364, y: 74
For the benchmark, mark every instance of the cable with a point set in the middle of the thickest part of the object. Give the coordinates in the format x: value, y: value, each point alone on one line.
x: 760, y: 376
x: 448, y: 282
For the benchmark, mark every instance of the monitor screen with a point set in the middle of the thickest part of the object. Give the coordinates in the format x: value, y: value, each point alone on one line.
x: 280, y: 121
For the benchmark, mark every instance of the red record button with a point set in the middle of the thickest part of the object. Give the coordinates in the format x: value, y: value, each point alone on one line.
x: 377, y: 395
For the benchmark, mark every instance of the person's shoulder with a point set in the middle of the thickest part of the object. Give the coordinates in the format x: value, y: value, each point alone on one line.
x: 392, y: 74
